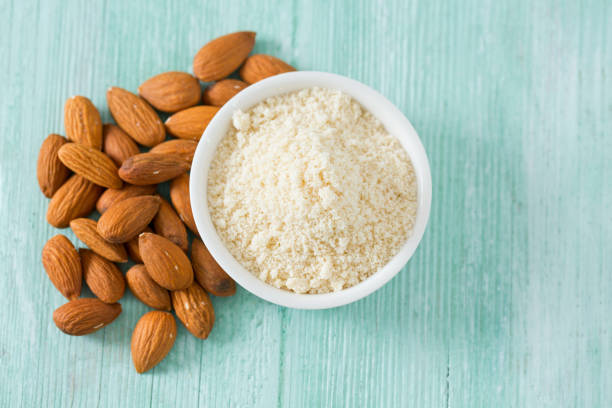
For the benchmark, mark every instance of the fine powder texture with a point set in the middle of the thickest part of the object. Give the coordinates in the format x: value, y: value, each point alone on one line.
x: 310, y: 193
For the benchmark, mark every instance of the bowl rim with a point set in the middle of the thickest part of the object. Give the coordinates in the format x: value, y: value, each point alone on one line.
x: 390, y: 116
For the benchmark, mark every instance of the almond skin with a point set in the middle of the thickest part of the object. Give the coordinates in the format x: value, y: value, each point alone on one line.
x: 166, y: 263
x: 86, y: 315
x: 102, y: 276
x: 219, y: 93
x: 152, y: 168
x: 208, y: 273
x: 117, y: 144
x: 194, y: 308
x: 146, y: 290
x: 182, y: 147
x: 190, y: 123
x: 86, y: 230
x: 171, y: 91
x: 63, y: 265
x: 261, y: 66
x: 113, y: 195
x: 75, y: 198
x: 135, y: 116
x: 82, y: 122
x: 168, y: 224
x: 223, y: 55
x: 179, y: 195
x: 152, y: 339
x: 90, y: 163
x: 133, y: 248
x: 127, y: 218
x: 50, y: 171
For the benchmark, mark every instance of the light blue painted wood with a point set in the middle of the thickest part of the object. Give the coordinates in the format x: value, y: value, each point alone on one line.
x: 506, y: 302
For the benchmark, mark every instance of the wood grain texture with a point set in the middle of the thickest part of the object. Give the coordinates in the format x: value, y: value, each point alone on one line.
x: 507, y: 301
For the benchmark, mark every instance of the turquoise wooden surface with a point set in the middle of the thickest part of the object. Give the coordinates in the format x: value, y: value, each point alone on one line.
x: 506, y: 303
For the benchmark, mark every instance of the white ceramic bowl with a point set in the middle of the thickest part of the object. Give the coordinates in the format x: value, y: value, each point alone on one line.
x: 395, y: 123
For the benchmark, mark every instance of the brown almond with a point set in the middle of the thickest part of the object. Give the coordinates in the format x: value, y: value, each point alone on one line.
x: 86, y: 230
x: 82, y: 122
x: 90, y: 163
x: 117, y: 144
x: 127, y: 218
x: 133, y: 248
x: 63, y: 265
x: 86, y: 315
x: 208, y: 273
x: 114, y: 195
x: 135, y: 116
x: 50, y: 171
x: 220, y: 92
x: 179, y: 195
x: 75, y: 198
x: 166, y: 263
x: 152, y: 339
x: 152, y: 168
x: 182, y: 147
x: 223, y: 55
x: 190, y: 123
x: 194, y: 308
x: 171, y: 91
x: 102, y: 276
x: 168, y: 224
x: 146, y: 289
x: 261, y: 66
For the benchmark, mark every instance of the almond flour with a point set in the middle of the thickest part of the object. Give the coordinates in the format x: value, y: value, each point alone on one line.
x: 310, y: 193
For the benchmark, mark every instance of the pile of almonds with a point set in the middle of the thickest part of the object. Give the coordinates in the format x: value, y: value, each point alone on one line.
x: 102, y: 167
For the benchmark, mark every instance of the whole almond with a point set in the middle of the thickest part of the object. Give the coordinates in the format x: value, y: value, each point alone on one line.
x: 152, y: 168
x: 223, y: 55
x: 127, y: 218
x: 86, y: 230
x: 208, y: 273
x: 168, y: 224
x: 182, y: 147
x: 146, y: 290
x: 102, y: 276
x: 90, y: 163
x: 152, y: 339
x: 220, y: 92
x: 114, y: 195
x: 82, y: 122
x: 179, y: 195
x: 261, y: 66
x: 194, y: 308
x: 135, y: 116
x: 50, y: 171
x: 86, y: 315
x: 166, y: 263
x: 190, y: 123
x: 63, y: 265
x: 133, y: 248
x: 171, y: 91
x: 75, y: 198
x: 117, y: 144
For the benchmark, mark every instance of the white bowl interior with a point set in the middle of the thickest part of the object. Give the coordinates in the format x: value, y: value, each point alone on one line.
x: 395, y: 123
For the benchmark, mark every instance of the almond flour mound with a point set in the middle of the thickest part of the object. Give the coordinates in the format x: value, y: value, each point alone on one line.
x: 310, y: 193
